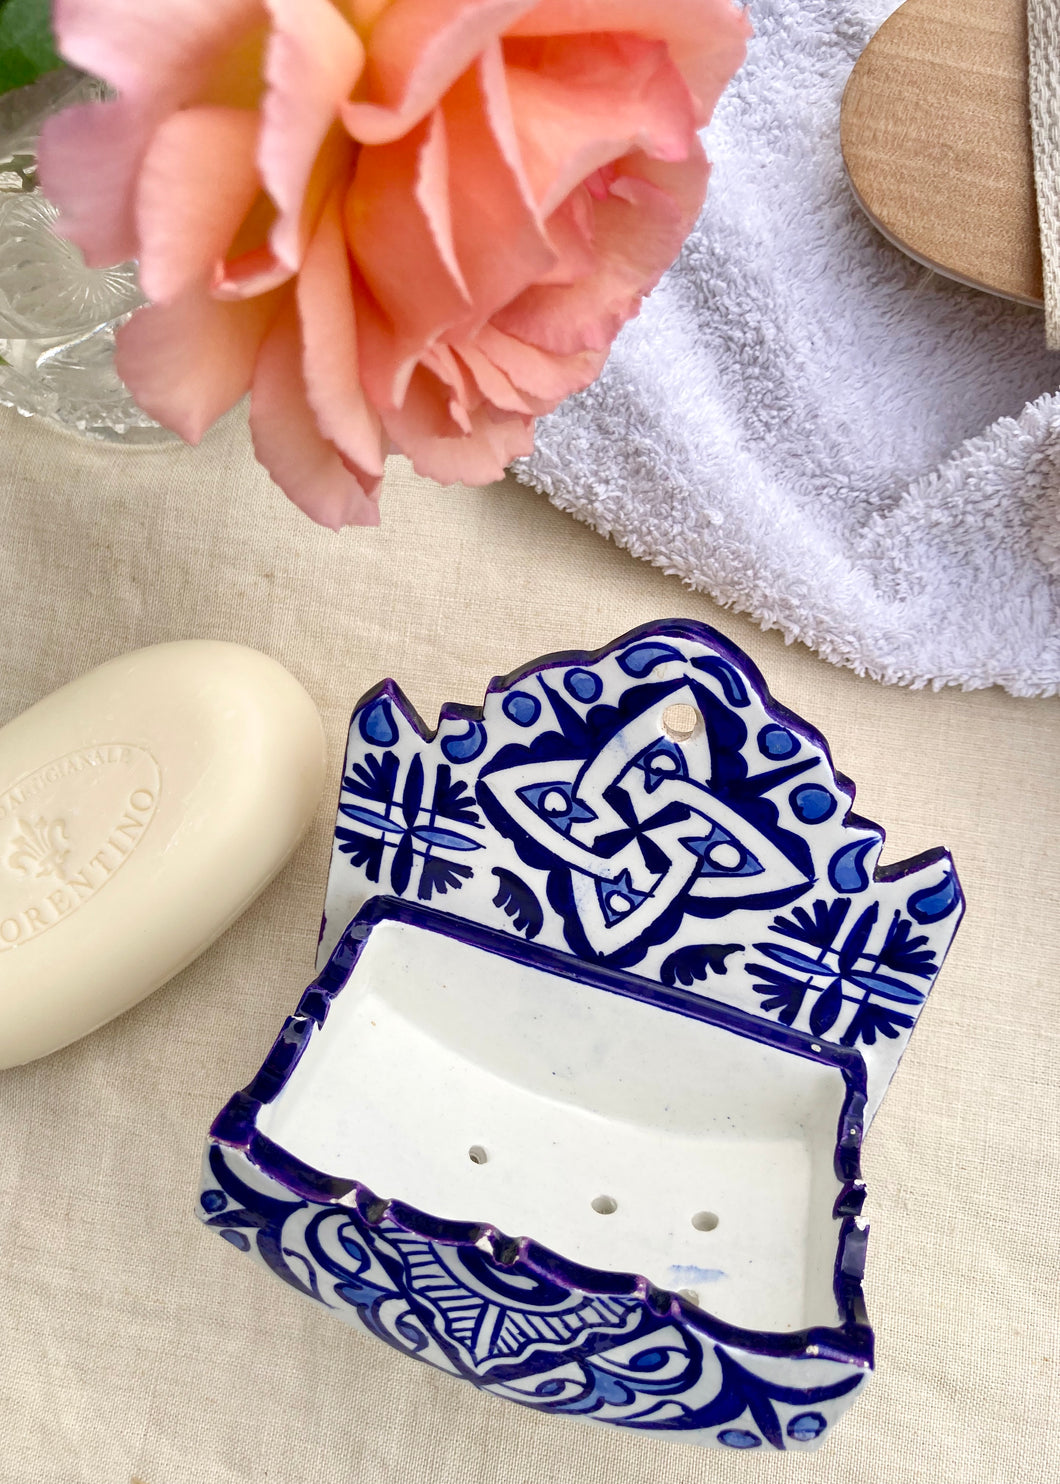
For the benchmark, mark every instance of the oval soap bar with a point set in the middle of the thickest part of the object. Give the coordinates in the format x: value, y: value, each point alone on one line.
x: 142, y: 808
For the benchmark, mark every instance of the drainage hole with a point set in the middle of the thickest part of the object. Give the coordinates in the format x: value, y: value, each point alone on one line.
x: 477, y: 1155
x: 604, y: 1205
x: 679, y: 722
x: 704, y: 1221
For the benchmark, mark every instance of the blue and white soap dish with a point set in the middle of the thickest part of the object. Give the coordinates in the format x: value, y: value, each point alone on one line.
x: 610, y: 986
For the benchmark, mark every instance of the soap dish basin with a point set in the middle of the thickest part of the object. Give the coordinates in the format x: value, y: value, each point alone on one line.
x: 575, y: 1187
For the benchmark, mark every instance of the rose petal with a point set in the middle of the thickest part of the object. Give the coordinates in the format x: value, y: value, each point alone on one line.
x: 498, y: 239
x: 432, y: 195
x: 424, y: 430
x: 570, y: 231
x: 188, y: 362
x: 547, y: 378
x: 329, y: 335
x: 308, y: 468
x: 383, y: 364
x: 313, y: 62
x: 684, y: 182
x: 493, y: 383
x: 185, y: 227
x: 493, y: 81
x: 365, y: 13
x: 639, y: 229
x: 396, y: 225
x: 707, y: 39
x: 416, y: 51
x: 250, y: 274
x: 158, y: 58
x: 582, y: 102
x: 87, y: 157
x: 162, y: 52
x: 464, y: 393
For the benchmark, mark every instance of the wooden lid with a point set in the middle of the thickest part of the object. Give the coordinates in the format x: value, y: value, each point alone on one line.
x: 935, y: 132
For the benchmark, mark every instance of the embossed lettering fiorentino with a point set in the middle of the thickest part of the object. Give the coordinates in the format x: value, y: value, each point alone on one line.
x: 66, y: 829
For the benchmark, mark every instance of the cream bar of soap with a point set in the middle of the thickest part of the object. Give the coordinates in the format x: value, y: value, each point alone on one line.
x: 142, y: 809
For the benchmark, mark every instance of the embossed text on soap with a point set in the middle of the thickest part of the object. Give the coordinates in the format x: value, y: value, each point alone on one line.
x: 66, y: 828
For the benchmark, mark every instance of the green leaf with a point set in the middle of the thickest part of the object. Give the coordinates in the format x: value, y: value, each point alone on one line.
x: 27, y: 48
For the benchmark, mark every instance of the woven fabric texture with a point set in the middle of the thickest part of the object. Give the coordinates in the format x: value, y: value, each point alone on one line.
x: 1043, y: 37
x: 139, y: 1349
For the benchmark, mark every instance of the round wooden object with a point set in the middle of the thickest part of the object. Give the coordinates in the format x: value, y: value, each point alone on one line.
x: 936, y: 137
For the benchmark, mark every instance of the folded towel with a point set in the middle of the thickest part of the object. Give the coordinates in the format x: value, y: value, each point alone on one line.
x: 816, y: 430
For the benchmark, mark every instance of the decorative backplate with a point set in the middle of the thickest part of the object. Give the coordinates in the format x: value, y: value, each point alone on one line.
x: 651, y: 808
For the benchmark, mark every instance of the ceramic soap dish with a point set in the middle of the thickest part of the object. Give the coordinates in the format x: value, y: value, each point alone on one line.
x: 610, y: 986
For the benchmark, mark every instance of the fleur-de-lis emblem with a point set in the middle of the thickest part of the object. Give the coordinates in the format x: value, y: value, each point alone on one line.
x: 41, y: 849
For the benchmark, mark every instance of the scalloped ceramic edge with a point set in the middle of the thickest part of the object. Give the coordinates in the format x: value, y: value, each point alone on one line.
x: 794, y: 920
x: 618, y: 1349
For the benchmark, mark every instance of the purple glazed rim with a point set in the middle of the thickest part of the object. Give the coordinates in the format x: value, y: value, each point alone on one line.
x: 849, y: 1342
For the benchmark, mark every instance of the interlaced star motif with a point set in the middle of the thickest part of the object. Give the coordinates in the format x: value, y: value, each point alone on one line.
x: 636, y: 826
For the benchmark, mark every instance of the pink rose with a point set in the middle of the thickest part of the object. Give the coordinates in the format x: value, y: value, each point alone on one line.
x: 416, y: 223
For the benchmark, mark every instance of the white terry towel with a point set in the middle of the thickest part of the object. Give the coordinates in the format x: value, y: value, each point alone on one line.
x: 816, y: 430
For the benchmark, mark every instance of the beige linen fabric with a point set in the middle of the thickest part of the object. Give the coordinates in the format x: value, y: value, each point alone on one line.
x: 138, y: 1347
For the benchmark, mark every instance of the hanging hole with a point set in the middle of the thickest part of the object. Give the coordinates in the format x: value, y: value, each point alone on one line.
x: 679, y: 722
x: 704, y: 1221
x: 604, y: 1205
x: 477, y: 1155
x: 689, y: 1295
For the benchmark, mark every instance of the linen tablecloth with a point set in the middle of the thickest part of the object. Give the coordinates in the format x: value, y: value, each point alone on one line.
x: 137, y: 1347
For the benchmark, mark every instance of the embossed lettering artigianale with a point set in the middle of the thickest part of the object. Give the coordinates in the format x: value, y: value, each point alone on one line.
x: 45, y: 780
x: 40, y: 849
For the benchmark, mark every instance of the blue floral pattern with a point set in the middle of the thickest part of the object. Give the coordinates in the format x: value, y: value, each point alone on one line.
x: 407, y: 836
x: 856, y: 992
x: 727, y: 860
x: 631, y: 1360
